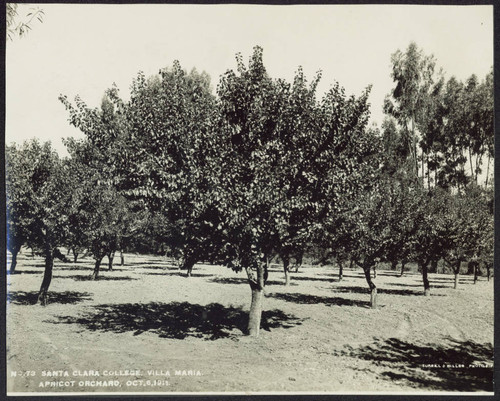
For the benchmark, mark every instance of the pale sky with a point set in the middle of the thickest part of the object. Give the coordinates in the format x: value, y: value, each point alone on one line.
x: 83, y: 49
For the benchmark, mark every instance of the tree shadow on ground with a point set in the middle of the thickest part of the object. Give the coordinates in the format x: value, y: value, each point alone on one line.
x: 428, y: 366
x: 154, y: 261
x: 99, y: 278
x: 176, y: 320
x: 353, y: 275
x: 78, y: 266
x: 451, y: 277
x: 314, y: 299
x: 181, y: 273
x: 277, y: 282
x: 244, y: 280
x: 31, y: 298
x: 38, y: 265
x: 395, y: 274
x: 280, y: 270
x: 417, y: 285
x: 389, y: 291
x: 441, y: 284
x: 88, y: 268
x: 149, y: 266
x: 448, y: 284
x: 329, y: 280
x: 398, y: 275
x: 229, y: 280
x: 361, y: 274
x: 157, y: 264
x: 25, y: 272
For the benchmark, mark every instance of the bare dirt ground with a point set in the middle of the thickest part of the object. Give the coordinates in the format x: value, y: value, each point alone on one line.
x: 146, y: 327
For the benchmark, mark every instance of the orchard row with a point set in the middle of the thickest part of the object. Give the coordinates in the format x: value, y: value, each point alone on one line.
x: 265, y: 168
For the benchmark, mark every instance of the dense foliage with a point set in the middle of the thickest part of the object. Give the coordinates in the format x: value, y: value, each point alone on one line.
x: 265, y: 168
x: 37, y: 202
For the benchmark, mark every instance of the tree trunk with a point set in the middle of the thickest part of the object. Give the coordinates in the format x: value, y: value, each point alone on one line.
x: 298, y: 261
x: 367, y: 266
x: 471, y: 267
x: 189, y: 269
x: 464, y: 183
x: 47, y: 277
x: 95, y: 274
x: 394, y: 265
x: 414, y: 150
x: 488, y: 271
x: 341, y: 270
x: 434, y: 266
x: 425, y: 278
x: 479, y: 161
x: 255, y: 314
x: 403, y: 263
x: 423, y: 168
x: 428, y: 174
x: 13, y: 261
x: 257, y: 286
x: 373, y: 298
x: 122, y: 258
x: 111, y: 256
x: 487, y: 172
x: 471, y: 168
x: 287, y: 278
x: 456, y: 270
x: 75, y: 255
x: 286, y: 263
x: 188, y: 263
x: 58, y: 254
x: 476, y: 270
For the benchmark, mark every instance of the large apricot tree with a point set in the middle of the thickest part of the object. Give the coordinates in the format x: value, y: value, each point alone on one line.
x: 38, y: 197
x: 288, y: 159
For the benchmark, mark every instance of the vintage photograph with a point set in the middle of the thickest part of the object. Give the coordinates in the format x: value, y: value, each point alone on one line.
x: 210, y: 199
